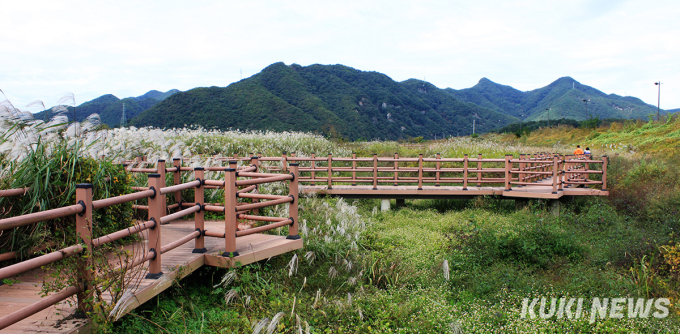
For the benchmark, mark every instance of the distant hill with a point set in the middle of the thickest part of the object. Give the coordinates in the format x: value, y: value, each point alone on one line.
x: 564, y: 97
x: 110, y: 108
x: 154, y: 94
x: 335, y: 100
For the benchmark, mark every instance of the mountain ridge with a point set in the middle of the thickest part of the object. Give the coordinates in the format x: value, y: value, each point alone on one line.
x: 562, y: 98
x: 335, y: 100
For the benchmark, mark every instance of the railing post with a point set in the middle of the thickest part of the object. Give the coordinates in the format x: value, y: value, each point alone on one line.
x: 465, y: 172
x: 199, y: 217
x: 160, y: 169
x: 293, y: 207
x: 479, y: 170
x: 177, y: 163
x: 564, y: 171
x: 605, y: 162
x: 156, y: 211
x: 230, y: 222
x: 375, y: 171
x: 522, y: 167
x: 439, y: 165
x: 313, y: 165
x: 555, y: 174
x: 284, y: 162
x: 420, y: 171
x: 84, y: 236
x: 255, y: 161
x: 330, y: 171
x: 396, y: 168
x: 354, y: 169
x: 508, y: 167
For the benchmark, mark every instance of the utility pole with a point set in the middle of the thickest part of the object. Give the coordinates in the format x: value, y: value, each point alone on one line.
x: 123, y: 119
x: 658, y: 105
x: 473, y: 126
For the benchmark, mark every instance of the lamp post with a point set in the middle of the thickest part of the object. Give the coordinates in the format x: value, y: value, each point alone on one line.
x: 658, y: 103
x: 586, y: 102
x: 548, y: 110
x: 520, y: 124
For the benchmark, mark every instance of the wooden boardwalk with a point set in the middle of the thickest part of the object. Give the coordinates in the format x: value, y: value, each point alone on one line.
x: 540, y: 189
x: 177, y: 264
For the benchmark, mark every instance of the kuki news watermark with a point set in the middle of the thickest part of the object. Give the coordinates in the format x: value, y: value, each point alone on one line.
x: 600, y: 308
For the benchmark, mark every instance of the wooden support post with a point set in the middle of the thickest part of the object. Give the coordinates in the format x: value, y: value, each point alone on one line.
x: 230, y: 222
x: 354, y: 167
x: 420, y: 171
x: 330, y: 171
x: 293, y: 207
x: 255, y: 161
x: 235, y: 156
x: 479, y: 170
x: 160, y: 168
x: 555, y: 173
x: 199, y: 217
x: 586, y: 167
x: 156, y: 211
x: 177, y: 179
x: 522, y: 167
x: 439, y: 166
x: 564, y: 171
x: 284, y: 162
x: 375, y: 171
x: 508, y: 167
x: 313, y: 165
x: 605, y: 162
x: 84, y: 236
x: 396, y: 168
x: 465, y: 172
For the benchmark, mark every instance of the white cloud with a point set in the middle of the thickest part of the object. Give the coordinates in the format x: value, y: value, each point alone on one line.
x: 127, y: 48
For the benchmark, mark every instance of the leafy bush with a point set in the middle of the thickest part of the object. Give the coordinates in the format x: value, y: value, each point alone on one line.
x: 51, y: 175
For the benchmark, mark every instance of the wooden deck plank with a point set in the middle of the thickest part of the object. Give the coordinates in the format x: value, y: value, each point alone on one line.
x: 541, y: 189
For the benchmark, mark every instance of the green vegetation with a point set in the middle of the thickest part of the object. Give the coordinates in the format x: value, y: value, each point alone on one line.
x: 51, y: 173
x: 563, y: 97
x: 636, y: 138
x: 337, y: 101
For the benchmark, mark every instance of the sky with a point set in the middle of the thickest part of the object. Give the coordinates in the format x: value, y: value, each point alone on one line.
x: 50, y: 49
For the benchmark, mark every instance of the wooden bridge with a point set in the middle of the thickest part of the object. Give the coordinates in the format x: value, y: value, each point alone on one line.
x: 540, y: 175
x: 224, y: 244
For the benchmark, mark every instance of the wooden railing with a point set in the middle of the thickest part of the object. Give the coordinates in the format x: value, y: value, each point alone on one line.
x: 248, y: 178
x: 523, y: 170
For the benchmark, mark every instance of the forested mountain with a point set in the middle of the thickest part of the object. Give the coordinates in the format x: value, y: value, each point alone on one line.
x: 335, y: 100
x: 154, y: 94
x: 564, y: 98
x: 110, y: 108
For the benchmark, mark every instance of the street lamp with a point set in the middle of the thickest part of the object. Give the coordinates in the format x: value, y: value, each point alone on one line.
x: 520, y: 124
x: 548, y: 110
x: 658, y: 105
x: 586, y: 102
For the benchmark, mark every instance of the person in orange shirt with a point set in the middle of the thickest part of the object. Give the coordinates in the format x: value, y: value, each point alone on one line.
x: 578, y: 150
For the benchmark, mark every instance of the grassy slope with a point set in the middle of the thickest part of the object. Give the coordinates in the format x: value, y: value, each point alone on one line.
x: 635, y: 137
